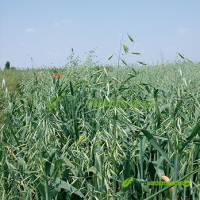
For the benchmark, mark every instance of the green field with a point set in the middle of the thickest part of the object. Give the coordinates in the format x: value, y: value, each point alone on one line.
x: 85, y: 132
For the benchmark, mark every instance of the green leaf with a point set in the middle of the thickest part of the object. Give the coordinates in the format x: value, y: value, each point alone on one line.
x: 60, y: 93
x: 195, y: 131
x: 11, y: 166
x: 21, y: 161
x: 157, y: 115
x: 57, y: 167
x: 68, y: 162
x: 40, y: 186
x: 151, y: 170
x: 129, y: 78
x: 71, y: 88
x: 49, y: 161
x: 155, y: 144
x: 127, y: 166
x: 36, y: 79
x: 53, y: 102
x: 155, y: 93
x: 137, y: 185
x: 92, y: 169
x: 57, y: 83
x: 64, y: 185
x: 158, y: 166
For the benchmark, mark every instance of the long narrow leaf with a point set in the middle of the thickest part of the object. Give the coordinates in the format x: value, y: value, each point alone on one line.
x: 64, y: 185
x: 155, y: 144
x: 195, y: 131
x: 49, y: 161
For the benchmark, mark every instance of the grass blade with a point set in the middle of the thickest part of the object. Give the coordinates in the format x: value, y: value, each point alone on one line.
x: 49, y: 161
x: 155, y: 144
x: 195, y: 131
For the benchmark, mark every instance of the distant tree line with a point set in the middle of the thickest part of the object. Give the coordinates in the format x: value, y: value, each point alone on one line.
x: 7, y: 66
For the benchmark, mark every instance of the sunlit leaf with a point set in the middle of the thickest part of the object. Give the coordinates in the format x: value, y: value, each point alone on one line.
x: 92, y: 169
x: 152, y: 140
x: 49, y: 161
x: 53, y: 102
x: 65, y: 185
x: 195, y: 131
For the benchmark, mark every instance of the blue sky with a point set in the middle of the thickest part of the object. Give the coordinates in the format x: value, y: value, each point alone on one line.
x: 46, y: 30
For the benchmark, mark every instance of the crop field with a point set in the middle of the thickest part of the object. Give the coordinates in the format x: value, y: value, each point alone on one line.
x: 84, y: 132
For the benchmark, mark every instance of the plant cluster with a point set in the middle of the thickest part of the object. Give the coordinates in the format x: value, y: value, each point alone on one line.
x: 57, y: 143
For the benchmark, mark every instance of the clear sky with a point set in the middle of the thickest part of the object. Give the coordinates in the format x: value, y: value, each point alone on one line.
x: 46, y: 30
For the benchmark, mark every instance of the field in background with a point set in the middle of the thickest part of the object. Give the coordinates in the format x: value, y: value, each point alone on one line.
x: 57, y: 143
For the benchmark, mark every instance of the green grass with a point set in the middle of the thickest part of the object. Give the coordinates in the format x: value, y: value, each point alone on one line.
x: 10, y: 83
x: 81, y: 135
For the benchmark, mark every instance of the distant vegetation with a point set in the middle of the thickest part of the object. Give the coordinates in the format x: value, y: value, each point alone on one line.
x: 100, y: 132
x: 7, y: 65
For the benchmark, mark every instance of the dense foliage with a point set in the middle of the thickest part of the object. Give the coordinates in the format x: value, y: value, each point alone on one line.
x: 102, y: 133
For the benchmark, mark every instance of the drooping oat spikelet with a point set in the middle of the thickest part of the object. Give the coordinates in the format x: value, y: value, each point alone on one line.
x: 165, y: 178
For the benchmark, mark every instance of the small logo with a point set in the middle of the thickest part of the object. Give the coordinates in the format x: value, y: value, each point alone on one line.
x: 128, y: 181
x: 186, y: 183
